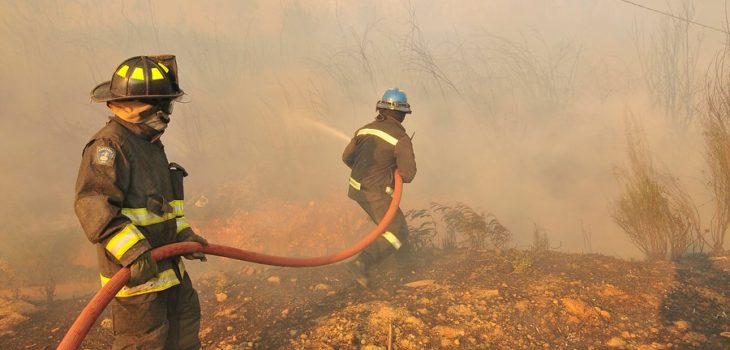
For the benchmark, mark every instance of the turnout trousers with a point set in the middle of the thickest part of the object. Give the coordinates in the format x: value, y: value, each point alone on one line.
x: 164, y: 320
x: 395, y: 237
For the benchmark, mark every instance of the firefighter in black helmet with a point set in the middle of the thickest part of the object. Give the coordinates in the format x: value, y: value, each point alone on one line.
x: 373, y: 154
x: 129, y: 200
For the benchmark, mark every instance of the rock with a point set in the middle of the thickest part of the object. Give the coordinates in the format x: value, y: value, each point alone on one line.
x: 205, y: 332
x: 725, y: 334
x: 603, y: 313
x: 412, y: 320
x: 274, y: 280
x: 610, y: 290
x: 485, y: 293
x: 221, y: 297
x: 625, y: 335
x: 616, y: 342
x: 229, y: 328
x: 372, y: 347
x: 522, y: 305
x: 460, y: 310
x: 321, y: 286
x: 681, y: 325
x: 576, y: 307
x: 448, y: 332
x: 107, y: 323
x: 419, y: 284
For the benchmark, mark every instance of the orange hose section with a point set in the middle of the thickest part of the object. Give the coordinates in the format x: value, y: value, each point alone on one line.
x: 76, y: 334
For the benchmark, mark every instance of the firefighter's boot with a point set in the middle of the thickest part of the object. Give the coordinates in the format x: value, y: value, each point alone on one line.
x: 360, y: 270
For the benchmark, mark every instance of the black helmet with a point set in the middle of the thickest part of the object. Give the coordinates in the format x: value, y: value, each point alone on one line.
x: 141, y: 77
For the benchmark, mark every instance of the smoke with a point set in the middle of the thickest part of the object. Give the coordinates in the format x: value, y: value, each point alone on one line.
x: 518, y: 105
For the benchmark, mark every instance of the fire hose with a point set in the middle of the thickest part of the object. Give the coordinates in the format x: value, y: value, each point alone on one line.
x: 80, y: 328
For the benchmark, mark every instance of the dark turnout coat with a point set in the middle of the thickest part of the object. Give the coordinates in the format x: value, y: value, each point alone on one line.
x: 375, y: 151
x: 129, y: 199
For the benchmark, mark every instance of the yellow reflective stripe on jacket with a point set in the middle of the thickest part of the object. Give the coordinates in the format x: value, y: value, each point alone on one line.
x: 144, y: 217
x: 178, y: 207
x: 162, y: 281
x: 181, y: 224
x: 123, y: 240
x: 392, y: 239
x: 355, y: 184
x: 379, y: 133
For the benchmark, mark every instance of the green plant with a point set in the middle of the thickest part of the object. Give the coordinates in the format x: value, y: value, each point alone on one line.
x: 480, y: 230
x: 421, y: 235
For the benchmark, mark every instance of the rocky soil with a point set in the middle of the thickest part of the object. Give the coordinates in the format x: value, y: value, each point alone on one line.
x: 458, y: 300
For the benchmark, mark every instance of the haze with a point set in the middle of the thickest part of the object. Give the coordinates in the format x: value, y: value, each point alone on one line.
x: 519, y: 106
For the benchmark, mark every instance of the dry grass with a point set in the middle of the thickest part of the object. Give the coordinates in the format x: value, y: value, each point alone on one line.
x: 654, y: 210
x: 716, y: 131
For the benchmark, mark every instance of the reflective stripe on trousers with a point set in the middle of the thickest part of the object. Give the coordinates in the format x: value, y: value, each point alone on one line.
x: 394, y: 241
x: 162, y: 281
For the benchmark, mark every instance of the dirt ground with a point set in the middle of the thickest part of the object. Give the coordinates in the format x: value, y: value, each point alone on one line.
x: 457, y: 300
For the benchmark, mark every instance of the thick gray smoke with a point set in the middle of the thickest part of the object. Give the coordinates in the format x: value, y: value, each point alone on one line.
x: 519, y: 106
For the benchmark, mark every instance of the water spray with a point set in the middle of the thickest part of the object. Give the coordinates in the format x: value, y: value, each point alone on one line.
x: 324, y: 127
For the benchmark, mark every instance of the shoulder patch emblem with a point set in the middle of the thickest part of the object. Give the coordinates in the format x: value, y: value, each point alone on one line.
x: 104, y: 155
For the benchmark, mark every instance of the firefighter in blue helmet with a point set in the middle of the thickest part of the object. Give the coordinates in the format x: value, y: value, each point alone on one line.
x: 373, y: 154
x: 129, y: 200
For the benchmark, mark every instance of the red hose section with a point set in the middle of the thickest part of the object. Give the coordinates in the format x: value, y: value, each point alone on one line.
x: 80, y: 328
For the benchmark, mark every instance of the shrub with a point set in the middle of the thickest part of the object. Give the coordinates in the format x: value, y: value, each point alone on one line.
x: 477, y: 230
x: 654, y: 210
x: 422, y: 234
x: 716, y: 132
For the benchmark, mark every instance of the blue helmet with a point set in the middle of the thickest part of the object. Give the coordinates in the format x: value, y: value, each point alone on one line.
x: 394, y: 99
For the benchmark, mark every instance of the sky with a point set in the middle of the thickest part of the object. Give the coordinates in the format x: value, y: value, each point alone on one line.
x: 519, y: 107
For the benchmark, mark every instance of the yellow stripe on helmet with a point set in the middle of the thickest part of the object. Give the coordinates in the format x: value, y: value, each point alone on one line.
x: 122, y: 72
x: 156, y: 74
x: 137, y: 74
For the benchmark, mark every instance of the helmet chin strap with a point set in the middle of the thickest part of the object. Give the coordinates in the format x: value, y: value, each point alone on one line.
x: 164, y: 117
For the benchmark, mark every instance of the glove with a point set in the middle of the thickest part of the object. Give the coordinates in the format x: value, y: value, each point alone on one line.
x: 189, y: 236
x: 142, y: 269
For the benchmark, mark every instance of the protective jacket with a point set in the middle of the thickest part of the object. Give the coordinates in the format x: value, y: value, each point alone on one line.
x: 375, y: 151
x: 129, y: 199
